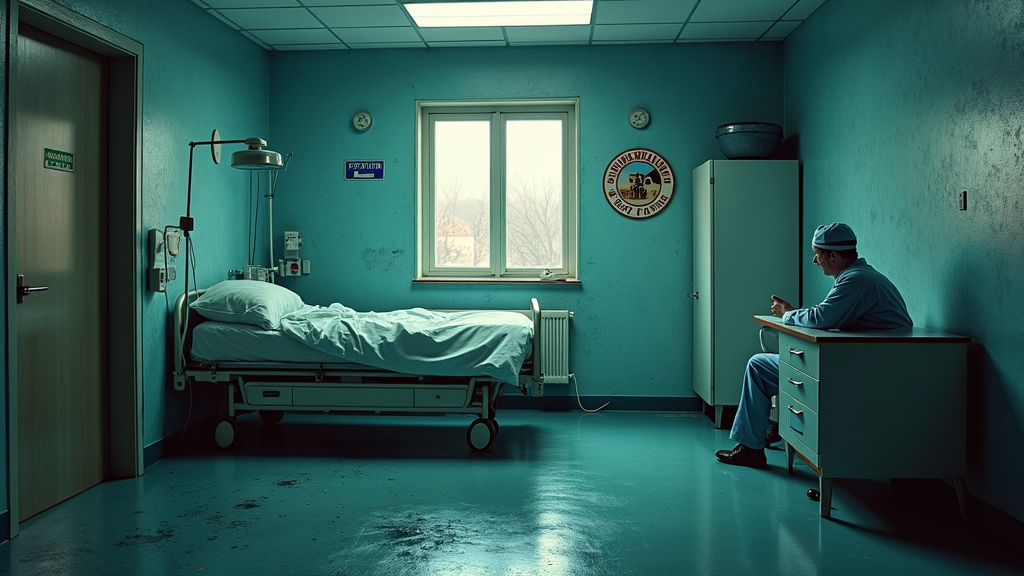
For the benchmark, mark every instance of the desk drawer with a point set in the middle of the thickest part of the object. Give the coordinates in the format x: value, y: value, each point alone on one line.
x: 798, y: 421
x: 798, y: 385
x: 799, y: 353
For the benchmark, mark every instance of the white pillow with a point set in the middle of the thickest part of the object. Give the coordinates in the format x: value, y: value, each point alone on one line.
x: 247, y: 302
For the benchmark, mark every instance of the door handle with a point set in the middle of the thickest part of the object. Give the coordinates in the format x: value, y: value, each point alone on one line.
x: 796, y: 352
x: 24, y: 290
x: 795, y: 383
x: 795, y: 411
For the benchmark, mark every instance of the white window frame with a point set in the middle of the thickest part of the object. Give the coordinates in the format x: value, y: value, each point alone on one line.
x: 428, y: 112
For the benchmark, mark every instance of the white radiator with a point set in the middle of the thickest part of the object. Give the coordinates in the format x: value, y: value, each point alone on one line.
x: 554, y: 342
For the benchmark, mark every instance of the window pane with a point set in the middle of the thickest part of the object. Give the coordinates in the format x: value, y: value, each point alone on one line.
x: 533, y: 188
x: 462, y: 193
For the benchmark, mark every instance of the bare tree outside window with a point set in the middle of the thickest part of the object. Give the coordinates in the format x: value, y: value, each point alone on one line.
x: 533, y: 189
x: 498, y: 190
x: 461, y: 199
x: 534, y: 225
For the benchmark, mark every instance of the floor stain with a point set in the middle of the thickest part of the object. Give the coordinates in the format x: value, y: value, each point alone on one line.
x: 161, y: 535
x: 247, y: 505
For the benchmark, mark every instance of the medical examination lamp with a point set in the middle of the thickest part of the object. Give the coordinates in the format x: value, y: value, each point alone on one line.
x: 254, y: 158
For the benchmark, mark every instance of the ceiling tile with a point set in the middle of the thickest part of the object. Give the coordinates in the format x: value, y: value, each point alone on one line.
x: 256, y: 40
x: 724, y: 30
x: 643, y: 11
x: 270, y: 18
x: 355, y: 16
x: 636, y: 32
x: 481, y: 44
x: 803, y: 9
x: 308, y: 36
x: 740, y: 10
x: 372, y: 45
x: 252, y: 3
x: 290, y: 24
x: 552, y: 34
x: 346, y: 2
x: 781, y: 29
x: 223, y: 19
x: 289, y: 47
x: 433, y: 35
x: 377, y: 35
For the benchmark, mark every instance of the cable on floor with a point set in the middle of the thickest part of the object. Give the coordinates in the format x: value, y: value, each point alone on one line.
x: 580, y: 402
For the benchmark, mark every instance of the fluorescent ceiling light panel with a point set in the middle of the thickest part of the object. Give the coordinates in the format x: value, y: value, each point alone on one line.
x: 517, y: 13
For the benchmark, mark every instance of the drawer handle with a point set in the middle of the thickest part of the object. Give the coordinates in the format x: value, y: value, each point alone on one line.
x: 795, y: 411
x: 794, y: 382
x: 796, y: 352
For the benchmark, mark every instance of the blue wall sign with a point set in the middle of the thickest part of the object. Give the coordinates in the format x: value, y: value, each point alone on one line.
x: 364, y: 169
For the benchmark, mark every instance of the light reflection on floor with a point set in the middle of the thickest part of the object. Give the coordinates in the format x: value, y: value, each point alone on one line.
x: 559, y: 494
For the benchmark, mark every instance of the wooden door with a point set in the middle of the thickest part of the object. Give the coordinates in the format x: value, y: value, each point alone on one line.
x: 61, y: 242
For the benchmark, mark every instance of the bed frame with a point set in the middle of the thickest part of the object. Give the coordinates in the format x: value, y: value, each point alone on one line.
x: 273, y: 388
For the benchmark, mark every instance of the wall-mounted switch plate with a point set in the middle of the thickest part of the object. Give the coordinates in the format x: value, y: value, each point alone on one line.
x: 963, y: 200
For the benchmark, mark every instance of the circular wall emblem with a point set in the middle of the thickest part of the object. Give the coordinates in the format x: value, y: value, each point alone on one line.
x: 638, y: 183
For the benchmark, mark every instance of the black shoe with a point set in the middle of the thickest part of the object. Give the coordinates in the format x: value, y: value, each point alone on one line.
x: 773, y: 435
x: 725, y: 453
x: 743, y: 456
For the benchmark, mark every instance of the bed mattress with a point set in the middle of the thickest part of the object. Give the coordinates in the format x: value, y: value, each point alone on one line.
x: 221, y: 342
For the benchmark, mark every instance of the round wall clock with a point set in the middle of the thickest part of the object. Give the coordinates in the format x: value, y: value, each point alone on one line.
x: 638, y: 118
x: 362, y: 120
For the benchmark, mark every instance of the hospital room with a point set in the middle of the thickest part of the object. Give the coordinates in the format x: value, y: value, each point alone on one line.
x: 544, y: 287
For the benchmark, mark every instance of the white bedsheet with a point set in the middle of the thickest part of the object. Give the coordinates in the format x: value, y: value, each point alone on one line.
x: 217, y: 342
x: 418, y: 341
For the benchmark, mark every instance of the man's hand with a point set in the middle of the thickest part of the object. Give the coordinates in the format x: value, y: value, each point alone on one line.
x: 780, y: 306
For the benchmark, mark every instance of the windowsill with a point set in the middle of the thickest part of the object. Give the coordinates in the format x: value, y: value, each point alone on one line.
x: 491, y: 281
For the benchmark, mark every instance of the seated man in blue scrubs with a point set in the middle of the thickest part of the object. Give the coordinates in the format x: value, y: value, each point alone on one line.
x: 861, y: 299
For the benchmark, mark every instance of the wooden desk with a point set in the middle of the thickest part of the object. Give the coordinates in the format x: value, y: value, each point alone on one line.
x: 880, y: 404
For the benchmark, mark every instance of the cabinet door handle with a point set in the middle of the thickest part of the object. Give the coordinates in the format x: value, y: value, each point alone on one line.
x: 795, y: 411
x: 794, y: 382
x: 796, y: 352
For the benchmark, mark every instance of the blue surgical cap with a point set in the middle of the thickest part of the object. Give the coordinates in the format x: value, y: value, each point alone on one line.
x: 834, y: 236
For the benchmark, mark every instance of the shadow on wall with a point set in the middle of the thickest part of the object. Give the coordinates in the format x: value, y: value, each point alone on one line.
x: 789, y: 149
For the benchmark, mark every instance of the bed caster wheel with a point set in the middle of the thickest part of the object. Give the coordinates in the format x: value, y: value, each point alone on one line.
x: 494, y: 424
x: 225, y: 432
x: 480, y: 435
x: 271, y: 416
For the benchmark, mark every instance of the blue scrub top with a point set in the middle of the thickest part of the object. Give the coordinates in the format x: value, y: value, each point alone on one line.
x: 861, y: 299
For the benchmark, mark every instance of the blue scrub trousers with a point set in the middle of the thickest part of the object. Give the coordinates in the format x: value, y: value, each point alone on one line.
x: 760, y: 383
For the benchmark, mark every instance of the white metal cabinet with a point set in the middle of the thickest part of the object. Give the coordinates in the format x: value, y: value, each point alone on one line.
x: 746, y: 247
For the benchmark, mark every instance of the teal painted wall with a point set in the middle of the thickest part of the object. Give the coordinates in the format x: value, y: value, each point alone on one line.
x: 632, y: 332
x: 897, y: 107
x: 197, y: 75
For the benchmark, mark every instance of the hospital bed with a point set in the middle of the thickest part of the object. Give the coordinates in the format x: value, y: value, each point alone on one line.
x: 266, y: 369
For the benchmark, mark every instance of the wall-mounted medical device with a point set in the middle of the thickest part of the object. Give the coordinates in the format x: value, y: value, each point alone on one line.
x: 292, y: 264
x: 164, y: 246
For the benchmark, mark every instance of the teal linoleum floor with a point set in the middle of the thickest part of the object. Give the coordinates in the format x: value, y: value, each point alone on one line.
x: 560, y: 493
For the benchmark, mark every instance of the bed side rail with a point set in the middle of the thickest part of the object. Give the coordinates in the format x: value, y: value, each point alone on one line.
x: 182, y: 335
x: 537, y: 388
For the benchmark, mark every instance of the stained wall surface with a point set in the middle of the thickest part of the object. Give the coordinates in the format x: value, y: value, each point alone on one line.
x: 632, y: 332
x: 893, y: 116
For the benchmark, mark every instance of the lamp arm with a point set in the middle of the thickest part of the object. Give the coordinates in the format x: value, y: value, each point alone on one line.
x: 208, y: 142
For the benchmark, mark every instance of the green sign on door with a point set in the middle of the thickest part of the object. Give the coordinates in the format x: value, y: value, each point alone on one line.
x: 58, y: 160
